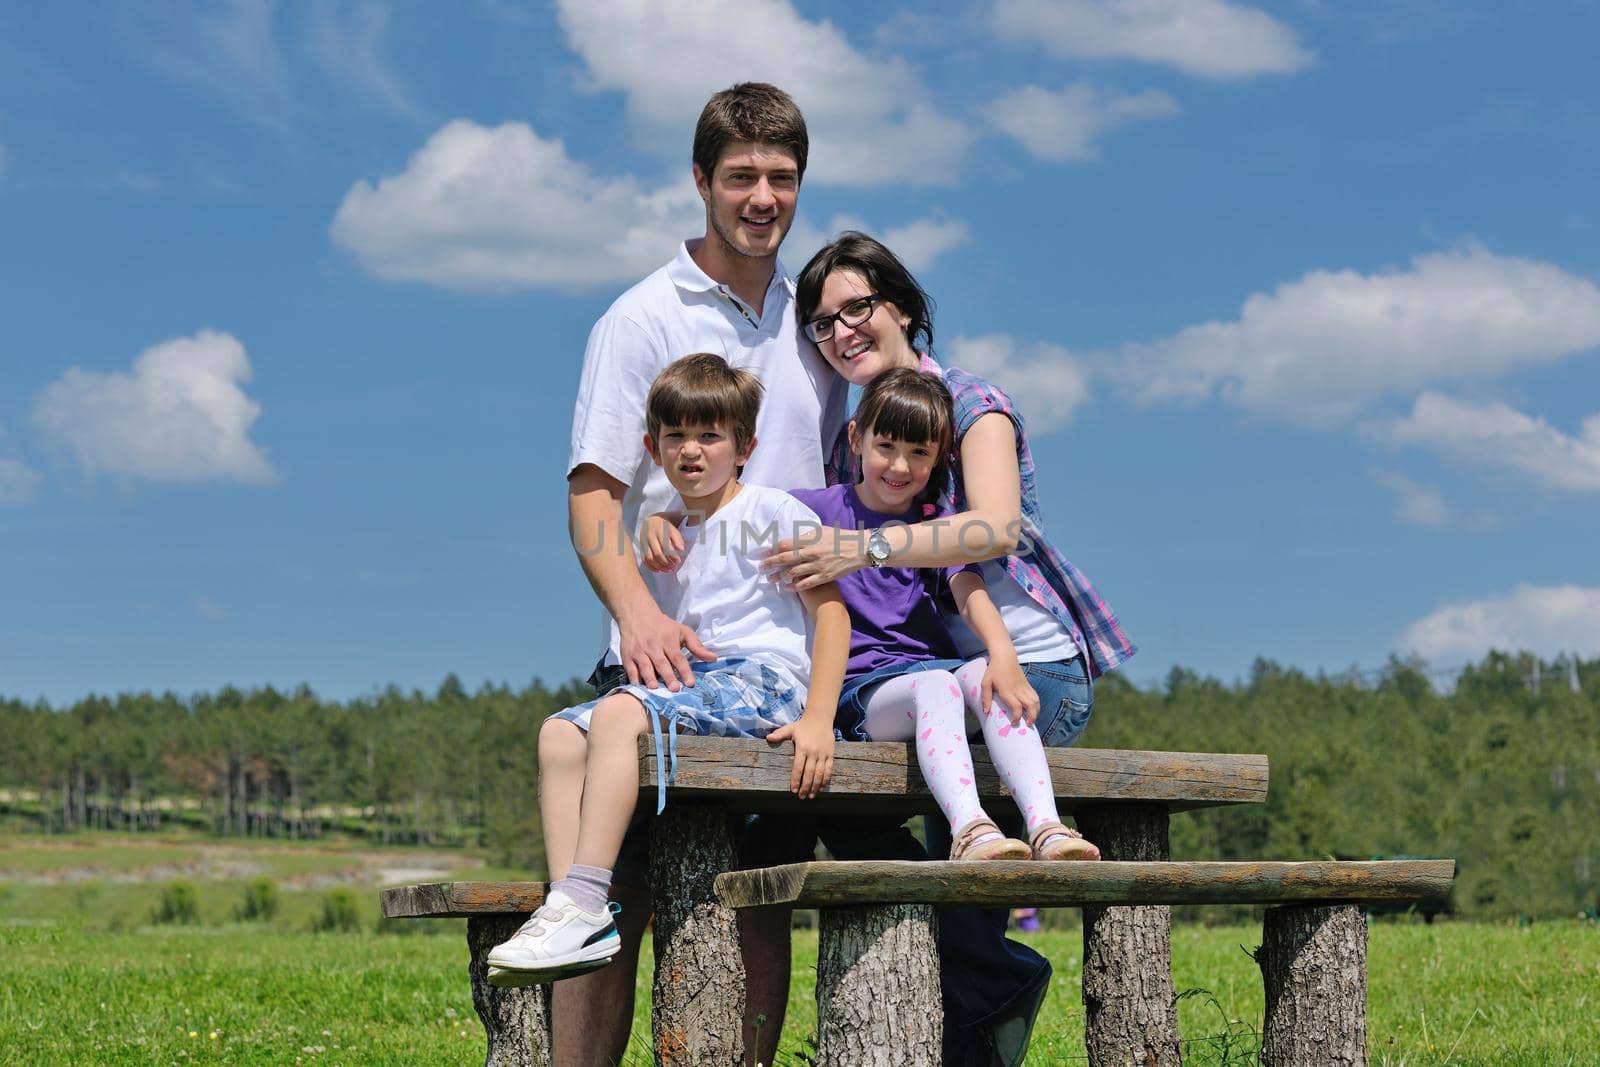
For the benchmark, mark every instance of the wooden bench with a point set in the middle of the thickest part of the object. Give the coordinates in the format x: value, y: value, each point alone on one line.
x: 1122, y: 801
x: 877, y: 951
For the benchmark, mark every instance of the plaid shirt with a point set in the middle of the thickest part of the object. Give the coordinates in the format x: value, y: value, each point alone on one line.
x: 1042, y: 571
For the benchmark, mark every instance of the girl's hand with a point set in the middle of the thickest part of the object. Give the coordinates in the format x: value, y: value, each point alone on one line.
x: 1004, y: 680
x: 661, y: 543
x: 807, y: 565
x: 813, y: 754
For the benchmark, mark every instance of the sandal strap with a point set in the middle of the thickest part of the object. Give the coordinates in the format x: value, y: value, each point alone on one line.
x: 1051, y: 829
x: 969, y: 833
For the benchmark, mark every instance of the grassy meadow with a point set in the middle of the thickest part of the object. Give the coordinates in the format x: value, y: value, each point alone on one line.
x: 88, y: 974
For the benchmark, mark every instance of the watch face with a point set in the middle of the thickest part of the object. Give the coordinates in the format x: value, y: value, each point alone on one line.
x: 878, y: 547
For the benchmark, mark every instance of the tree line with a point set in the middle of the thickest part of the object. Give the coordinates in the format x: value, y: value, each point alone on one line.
x: 1501, y: 775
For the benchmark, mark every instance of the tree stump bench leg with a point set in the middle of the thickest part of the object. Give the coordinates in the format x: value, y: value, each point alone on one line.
x: 697, y: 1015
x: 1130, y: 1009
x: 1314, y: 966
x: 878, y: 1001
x: 517, y: 1021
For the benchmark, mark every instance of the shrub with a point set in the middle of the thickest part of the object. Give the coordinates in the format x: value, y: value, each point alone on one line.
x: 260, y: 902
x: 341, y: 911
x: 180, y: 904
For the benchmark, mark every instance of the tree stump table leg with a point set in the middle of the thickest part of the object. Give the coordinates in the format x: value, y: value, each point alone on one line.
x: 698, y: 1003
x: 517, y: 1021
x: 1314, y: 966
x: 878, y: 988
x: 1131, y: 1012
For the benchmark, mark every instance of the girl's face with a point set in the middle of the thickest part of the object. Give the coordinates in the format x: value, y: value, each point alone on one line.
x: 862, y: 352
x: 893, y: 472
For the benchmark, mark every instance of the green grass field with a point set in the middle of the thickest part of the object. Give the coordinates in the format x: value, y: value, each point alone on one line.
x: 1454, y: 994
x: 88, y: 976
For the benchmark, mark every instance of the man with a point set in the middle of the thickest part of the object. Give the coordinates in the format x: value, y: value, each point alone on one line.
x: 724, y: 293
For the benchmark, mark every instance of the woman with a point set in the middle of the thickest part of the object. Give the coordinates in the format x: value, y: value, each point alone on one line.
x: 868, y: 315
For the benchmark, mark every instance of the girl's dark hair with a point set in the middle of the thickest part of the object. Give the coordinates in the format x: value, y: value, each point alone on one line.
x: 907, y: 405
x: 882, y: 270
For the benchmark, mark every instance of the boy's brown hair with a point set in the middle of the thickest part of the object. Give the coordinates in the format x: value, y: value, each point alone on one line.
x: 703, y: 390
x: 754, y: 112
x: 907, y: 405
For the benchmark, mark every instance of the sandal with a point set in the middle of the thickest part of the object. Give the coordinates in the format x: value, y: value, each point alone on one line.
x: 1053, y: 841
x: 966, y: 845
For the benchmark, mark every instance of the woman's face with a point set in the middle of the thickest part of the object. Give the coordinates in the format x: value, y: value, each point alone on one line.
x: 861, y: 353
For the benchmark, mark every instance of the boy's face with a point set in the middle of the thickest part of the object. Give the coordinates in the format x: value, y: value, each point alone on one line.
x: 700, y: 459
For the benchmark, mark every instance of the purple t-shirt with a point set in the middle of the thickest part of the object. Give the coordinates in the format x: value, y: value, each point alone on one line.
x: 893, y: 618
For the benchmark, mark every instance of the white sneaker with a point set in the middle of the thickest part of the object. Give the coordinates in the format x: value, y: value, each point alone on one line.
x: 560, y: 940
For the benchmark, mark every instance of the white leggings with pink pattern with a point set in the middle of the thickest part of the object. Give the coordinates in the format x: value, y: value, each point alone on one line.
x: 937, y: 708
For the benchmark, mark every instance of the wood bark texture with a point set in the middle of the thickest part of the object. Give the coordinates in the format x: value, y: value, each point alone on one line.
x: 699, y: 987
x: 517, y: 1021
x: 827, y: 883
x: 1314, y: 966
x: 1131, y: 1011
x: 752, y: 775
x: 878, y: 988
x: 443, y: 900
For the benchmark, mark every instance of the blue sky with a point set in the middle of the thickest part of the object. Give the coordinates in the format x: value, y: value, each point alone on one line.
x: 1299, y: 298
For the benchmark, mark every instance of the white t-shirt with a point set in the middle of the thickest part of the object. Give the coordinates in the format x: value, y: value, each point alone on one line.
x: 719, y: 591
x: 1037, y: 635
x: 675, y: 312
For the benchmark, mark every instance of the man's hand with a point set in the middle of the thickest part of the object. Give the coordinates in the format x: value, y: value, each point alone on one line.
x: 813, y: 754
x: 1004, y: 680
x: 655, y: 650
x: 662, y: 543
x: 808, y: 564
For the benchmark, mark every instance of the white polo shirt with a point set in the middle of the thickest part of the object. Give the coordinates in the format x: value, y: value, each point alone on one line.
x: 677, y: 311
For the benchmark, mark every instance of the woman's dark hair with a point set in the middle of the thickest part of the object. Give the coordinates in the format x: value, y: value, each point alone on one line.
x: 907, y: 405
x: 883, y: 272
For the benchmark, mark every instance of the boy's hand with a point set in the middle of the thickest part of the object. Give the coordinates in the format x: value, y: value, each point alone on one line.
x: 1005, y: 681
x: 813, y: 754
x: 661, y: 543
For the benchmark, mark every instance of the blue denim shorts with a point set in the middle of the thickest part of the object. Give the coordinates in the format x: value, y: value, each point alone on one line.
x: 850, y: 721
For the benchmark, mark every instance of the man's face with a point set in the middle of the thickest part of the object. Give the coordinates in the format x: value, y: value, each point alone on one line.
x: 750, y: 198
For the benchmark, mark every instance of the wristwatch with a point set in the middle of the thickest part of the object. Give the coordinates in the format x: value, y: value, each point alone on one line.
x: 877, y: 548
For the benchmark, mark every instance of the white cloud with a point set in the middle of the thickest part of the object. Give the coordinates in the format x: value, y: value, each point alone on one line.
x: 179, y: 415
x: 1062, y: 126
x: 350, y: 44
x: 1496, y: 435
x: 871, y: 119
x: 17, y: 481
x: 502, y: 208
x: 1207, y: 38
x: 1322, y: 347
x: 272, y: 63
x: 1417, y: 505
x: 918, y: 243
x: 1548, y: 620
x: 1046, y: 382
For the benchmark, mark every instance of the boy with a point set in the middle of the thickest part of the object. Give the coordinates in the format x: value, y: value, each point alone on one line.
x: 700, y: 418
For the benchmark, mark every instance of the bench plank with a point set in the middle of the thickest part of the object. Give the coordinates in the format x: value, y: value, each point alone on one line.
x: 831, y: 883
x: 455, y: 900
x: 752, y: 775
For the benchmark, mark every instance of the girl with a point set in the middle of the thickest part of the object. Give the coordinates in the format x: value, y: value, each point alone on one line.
x: 904, y: 680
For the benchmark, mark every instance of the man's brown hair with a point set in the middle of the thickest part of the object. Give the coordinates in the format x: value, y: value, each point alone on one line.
x: 750, y: 111
x: 703, y: 390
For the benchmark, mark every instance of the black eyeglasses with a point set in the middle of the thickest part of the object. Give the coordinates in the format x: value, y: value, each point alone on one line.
x: 852, y: 314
